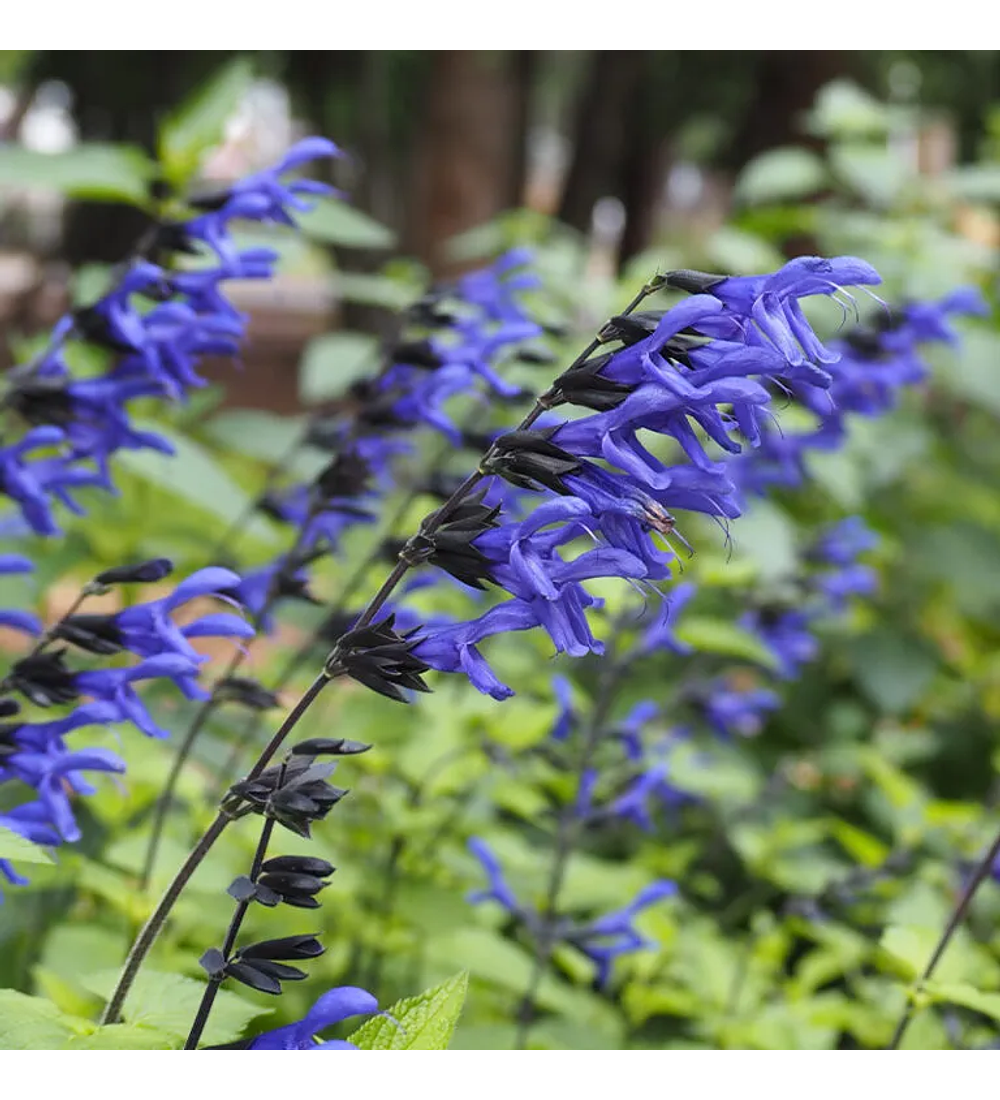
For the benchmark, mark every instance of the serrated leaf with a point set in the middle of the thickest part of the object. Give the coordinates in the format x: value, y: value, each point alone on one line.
x: 33, y: 1023
x: 168, y: 1002
x: 426, y: 1022
x: 192, y: 474
x: 334, y: 222
x: 199, y: 122
x: 123, y: 1037
x: 90, y: 171
x: 781, y: 174
x: 333, y: 361
x: 15, y: 846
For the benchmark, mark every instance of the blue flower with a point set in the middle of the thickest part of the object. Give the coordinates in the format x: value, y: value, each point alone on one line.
x: 498, y: 890
x: 332, y: 1008
x: 615, y: 934
x: 730, y: 711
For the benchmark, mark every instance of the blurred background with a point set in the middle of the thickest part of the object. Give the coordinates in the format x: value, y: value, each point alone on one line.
x: 632, y: 159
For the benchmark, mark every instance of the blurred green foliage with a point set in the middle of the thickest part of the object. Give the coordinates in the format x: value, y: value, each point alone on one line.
x: 821, y: 858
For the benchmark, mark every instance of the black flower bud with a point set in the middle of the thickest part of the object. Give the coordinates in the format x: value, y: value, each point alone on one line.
x: 379, y: 658
x: 43, y: 678
x: 529, y: 460
x: 144, y: 572
x: 93, y: 633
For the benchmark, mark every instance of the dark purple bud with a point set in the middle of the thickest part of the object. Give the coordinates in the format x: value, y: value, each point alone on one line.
x: 306, y: 865
x: 145, y: 572
x: 286, y: 947
x: 329, y: 746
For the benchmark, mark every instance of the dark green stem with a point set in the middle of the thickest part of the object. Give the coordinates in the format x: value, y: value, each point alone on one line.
x: 154, y: 926
x: 979, y: 876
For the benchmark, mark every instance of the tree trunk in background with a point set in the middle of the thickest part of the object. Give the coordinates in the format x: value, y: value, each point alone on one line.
x: 524, y: 73
x: 644, y: 161
x: 463, y: 150
x: 599, y: 138
x: 784, y: 87
x: 118, y: 95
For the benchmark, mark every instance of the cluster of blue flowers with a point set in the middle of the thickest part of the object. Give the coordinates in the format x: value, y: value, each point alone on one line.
x: 35, y: 755
x: 450, y: 343
x: 157, y: 322
x: 728, y: 705
x: 709, y: 363
x: 875, y: 362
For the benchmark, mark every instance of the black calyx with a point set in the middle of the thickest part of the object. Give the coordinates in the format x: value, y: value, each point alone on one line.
x: 43, y: 678
x: 42, y: 400
x: 529, y: 459
x: 329, y: 746
x: 693, y: 282
x: 98, y: 634
x: 587, y: 388
x: 143, y: 572
x: 451, y: 546
x: 295, y: 794
x: 380, y: 658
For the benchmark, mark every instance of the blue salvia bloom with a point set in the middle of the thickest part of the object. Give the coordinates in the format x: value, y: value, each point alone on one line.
x: 787, y: 631
x: 147, y: 629
x: 648, y: 385
x: 332, y: 1008
x: 35, y: 754
x: 613, y: 935
x: 472, y: 325
x: 24, y: 621
x: 602, y: 939
x: 158, y: 348
x: 875, y: 363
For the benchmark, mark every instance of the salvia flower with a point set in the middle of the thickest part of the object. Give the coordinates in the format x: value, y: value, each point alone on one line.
x: 332, y: 1008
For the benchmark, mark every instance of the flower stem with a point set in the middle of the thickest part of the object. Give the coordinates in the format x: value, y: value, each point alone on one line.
x: 154, y: 926
x: 151, y: 930
x: 982, y: 870
x: 235, y: 924
x: 208, y: 708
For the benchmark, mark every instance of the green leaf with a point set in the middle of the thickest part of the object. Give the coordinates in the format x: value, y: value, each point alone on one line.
x: 332, y: 362
x: 877, y: 173
x: 334, y: 222
x: 90, y: 171
x: 721, y: 636
x: 845, y: 109
x: 913, y: 945
x: 893, y: 671
x: 958, y: 993
x: 123, y: 1037
x: 168, y: 1002
x: 13, y: 846
x: 374, y: 290
x: 426, y: 1022
x: 199, y: 122
x: 32, y: 1023
x: 781, y: 174
x: 192, y: 474
x: 268, y: 437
